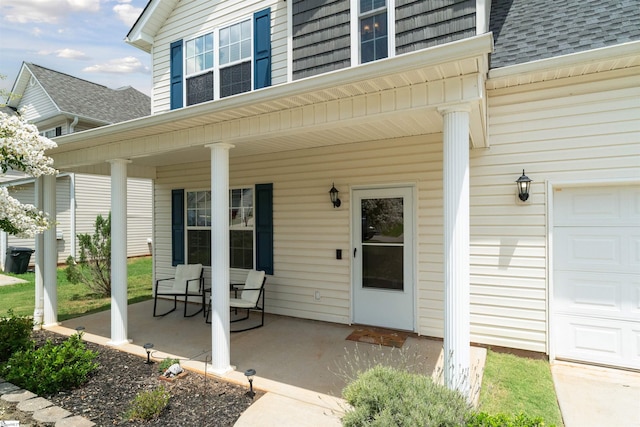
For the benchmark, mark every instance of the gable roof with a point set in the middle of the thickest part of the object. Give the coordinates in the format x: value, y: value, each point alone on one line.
x: 151, y: 19
x: 530, y: 30
x: 78, y: 97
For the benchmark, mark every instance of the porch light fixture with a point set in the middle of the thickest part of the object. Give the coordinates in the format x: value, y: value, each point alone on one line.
x: 333, y: 193
x: 250, y: 373
x: 148, y: 346
x: 523, y: 183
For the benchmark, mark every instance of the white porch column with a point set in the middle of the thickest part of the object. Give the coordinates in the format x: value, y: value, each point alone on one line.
x: 220, y: 329
x: 119, y: 251
x: 38, y: 311
x: 50, y: 246
x: 456, y: 247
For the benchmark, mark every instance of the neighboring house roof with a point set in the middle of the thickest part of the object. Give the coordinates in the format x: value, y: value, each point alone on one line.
x: 10, y: 111
x: 530, y: 30
x: 80, y: 97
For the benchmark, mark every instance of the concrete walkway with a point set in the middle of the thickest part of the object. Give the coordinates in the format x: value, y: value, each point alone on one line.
x: 593, y: 396
x: 10, y: 280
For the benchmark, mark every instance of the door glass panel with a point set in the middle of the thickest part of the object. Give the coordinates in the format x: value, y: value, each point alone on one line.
x: 382, y: 243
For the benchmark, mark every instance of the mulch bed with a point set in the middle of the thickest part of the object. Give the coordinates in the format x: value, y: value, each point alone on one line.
x: 105, y: 398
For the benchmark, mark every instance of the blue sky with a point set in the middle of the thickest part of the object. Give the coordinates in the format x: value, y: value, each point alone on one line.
x: 83, y: 38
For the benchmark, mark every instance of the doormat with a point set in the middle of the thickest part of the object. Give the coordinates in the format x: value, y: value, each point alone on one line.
x: 386, y: 337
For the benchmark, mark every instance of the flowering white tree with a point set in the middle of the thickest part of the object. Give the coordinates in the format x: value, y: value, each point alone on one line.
x: 22, y: 148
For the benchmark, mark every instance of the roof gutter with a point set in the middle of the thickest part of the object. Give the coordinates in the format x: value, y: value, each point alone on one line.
x: 572, y: 59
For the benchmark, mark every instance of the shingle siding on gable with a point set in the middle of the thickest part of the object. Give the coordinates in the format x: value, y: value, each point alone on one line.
x: 422, y: 24
x: 321, y: 36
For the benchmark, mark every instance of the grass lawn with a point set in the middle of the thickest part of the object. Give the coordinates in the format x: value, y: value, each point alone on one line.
x: 513, y: 384
x: 75, y: 300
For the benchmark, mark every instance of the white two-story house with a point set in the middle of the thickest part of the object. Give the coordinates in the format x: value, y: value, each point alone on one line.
x: 422, y: 114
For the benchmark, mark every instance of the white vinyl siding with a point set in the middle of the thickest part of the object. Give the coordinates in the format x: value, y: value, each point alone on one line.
x: 308, y: 230
x: 93, y: 197
x: 586, y: 131
x: 36, y: 104
x: 192, y: 18
x: 25, y: 193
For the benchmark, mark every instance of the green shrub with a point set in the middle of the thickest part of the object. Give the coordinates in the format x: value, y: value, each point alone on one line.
x: 483, y: 419
x: 93, y: 267
x: 51, y: 368
x: 15, y: 335
x: 164, y: 365
x: 148, y: 404
x: 384, y: 396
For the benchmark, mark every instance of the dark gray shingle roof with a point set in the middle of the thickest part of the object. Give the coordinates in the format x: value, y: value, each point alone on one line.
x: 529, y: 30
x: 87, y: 99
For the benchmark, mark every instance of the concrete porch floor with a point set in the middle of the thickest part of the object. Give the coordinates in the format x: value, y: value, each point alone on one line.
x: 296, y: 358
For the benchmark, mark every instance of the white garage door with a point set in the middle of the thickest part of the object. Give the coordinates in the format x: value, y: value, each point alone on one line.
x: 596, y: 263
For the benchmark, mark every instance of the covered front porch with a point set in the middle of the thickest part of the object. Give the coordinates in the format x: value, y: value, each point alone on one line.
x: 304, y: 359
x: 406, y: 122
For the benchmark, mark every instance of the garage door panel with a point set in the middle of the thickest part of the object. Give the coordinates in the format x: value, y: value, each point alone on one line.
x: 592, y: 293
x: 598, y: 341
x: 585, y: 206
x: 599, y: 249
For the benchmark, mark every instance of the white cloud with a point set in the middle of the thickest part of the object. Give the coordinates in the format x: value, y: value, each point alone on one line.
x: 70, y: 54
x: 65, y: 53
x: 127, y: 13
x: 126, y: 65
x: 36, y: 31
x: 45, y: 11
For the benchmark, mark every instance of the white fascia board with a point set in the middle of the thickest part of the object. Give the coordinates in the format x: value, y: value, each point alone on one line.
x: 572, y: 59
x: 477, y: 46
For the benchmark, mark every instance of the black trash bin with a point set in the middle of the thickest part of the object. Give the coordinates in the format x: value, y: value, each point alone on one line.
x: 17, y: 260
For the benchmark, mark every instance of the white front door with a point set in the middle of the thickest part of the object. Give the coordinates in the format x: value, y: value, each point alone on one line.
x: 383, y: 257
x: 596, y: 255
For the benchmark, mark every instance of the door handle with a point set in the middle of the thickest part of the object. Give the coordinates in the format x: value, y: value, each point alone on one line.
x: 354, y: 252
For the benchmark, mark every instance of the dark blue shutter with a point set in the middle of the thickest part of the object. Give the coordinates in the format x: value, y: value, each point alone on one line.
x: 176, y: 74
x: 177, y: 227
x: 264, y: 227
x: 262, y: 48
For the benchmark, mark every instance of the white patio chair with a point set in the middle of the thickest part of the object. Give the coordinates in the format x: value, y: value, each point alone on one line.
x: 188, y: 282
x: 251, y: 298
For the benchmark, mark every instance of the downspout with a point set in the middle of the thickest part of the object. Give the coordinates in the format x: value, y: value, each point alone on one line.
x: 73, y: 124
x: 72, y: 213
x: 3, y: 249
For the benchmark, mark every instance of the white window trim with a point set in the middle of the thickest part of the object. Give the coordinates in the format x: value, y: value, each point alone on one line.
x: 355, y: 31
x: 216, y: 58
x: 252, y: 228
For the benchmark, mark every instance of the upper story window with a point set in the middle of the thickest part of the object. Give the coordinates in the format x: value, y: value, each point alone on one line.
x: 51, y: 133
x: 225, y: 61
x: 374, y: 37
x: 235, y: 58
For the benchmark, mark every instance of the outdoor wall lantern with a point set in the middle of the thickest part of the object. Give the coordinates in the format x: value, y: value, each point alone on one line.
x: 333, y: 193
x: 250, y: 373
x: 148, y: 346
x: 523, y: 183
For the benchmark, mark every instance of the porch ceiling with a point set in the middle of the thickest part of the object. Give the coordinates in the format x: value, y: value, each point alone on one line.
x: 386, y: 99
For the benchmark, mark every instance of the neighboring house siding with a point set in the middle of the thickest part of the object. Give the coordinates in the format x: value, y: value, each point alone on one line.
x: 193, y: 18
x: 93, y: 197
x: 422, y: 24
x: 36, y: 105
x: 25, y: 193
x: 321, y: 36
x: 582, y: 131
x: 307, y: 229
